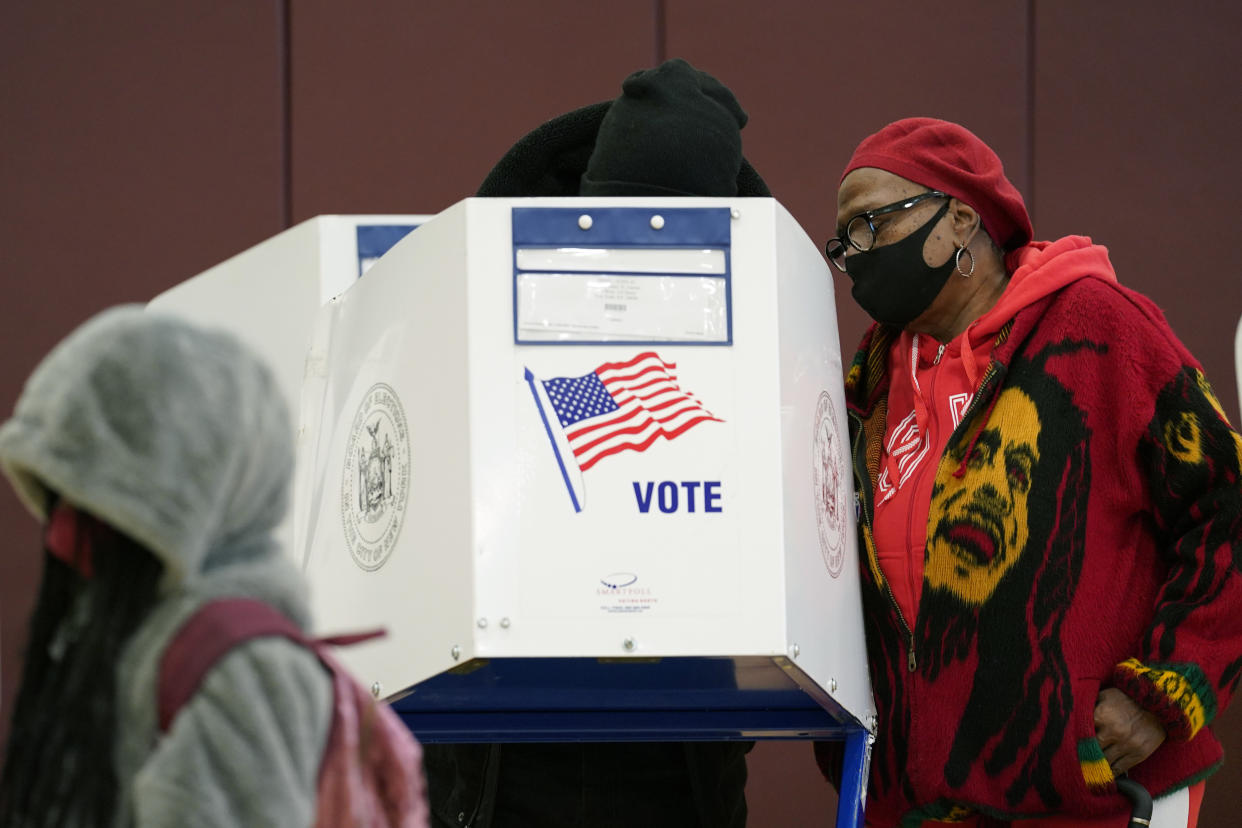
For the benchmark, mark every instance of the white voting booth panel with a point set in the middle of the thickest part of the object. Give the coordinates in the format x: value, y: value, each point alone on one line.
x: 596, y: 428
x: 270, y: 294
x: 1237, y: 358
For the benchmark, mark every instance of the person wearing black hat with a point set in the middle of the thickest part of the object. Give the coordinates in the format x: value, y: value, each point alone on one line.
x: 674, y: 131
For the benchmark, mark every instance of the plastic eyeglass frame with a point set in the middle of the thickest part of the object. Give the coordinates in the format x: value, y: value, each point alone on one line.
x: 834, y: 248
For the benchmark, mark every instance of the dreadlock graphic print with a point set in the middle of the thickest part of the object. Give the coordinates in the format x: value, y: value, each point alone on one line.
x: 1006, y: 534
x: 1189, y: 444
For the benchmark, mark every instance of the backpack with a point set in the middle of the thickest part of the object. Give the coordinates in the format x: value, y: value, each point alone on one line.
x: 370, y: 775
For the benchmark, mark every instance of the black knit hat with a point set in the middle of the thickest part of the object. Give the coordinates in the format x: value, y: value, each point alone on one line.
x: 674, y: 131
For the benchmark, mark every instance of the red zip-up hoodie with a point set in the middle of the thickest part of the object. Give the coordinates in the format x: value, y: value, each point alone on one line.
x: 932, y: 384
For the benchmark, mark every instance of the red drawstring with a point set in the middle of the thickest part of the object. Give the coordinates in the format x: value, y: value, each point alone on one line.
x: 968, y: 359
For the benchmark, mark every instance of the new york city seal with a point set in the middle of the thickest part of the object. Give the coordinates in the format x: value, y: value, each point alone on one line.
x: 829, y: 478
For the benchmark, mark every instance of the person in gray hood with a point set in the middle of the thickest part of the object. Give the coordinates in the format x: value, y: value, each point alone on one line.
x: 158, y: 456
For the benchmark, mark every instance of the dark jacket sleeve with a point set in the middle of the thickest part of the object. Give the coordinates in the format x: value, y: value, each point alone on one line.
x: 1192, y: 651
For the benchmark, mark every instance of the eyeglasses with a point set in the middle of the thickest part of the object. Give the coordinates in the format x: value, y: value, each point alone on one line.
x: 860, y: 231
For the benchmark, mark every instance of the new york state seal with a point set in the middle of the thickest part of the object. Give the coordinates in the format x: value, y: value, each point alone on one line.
x: 376, y: 479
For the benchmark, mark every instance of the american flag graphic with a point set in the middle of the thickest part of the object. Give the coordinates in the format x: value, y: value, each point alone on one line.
x: 620, y: 406
x: 623, y: 406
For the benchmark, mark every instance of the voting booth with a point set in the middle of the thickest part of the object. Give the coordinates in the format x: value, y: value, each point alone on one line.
x: 586, y: 460
x: 270, y: 294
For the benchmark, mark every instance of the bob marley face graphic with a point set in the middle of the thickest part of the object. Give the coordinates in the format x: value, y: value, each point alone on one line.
x: 980, y: 522
x: 1006, y: 539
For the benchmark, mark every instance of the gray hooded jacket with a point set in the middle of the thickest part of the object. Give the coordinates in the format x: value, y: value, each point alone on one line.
x: 178, y: 437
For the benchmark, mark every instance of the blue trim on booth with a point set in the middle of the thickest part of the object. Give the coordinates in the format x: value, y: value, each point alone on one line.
x: 374, y: 240
x: 855, y: 768
x: 621, y: 227
x: 633, y: 699
x: 638, y: 699
x: 613, y: 227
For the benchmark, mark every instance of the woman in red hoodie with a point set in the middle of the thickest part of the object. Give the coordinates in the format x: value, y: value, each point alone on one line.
x: 1050, y: 508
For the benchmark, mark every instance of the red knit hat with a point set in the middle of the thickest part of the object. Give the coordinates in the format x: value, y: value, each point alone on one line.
x: 952, y: 159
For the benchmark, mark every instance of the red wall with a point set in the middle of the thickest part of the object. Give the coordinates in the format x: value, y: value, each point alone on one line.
x: 144, y: 141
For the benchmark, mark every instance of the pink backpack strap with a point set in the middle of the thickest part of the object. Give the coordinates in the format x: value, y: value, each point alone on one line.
x: 346, y: 639
x: 370, y: 773
x: 207, y: 635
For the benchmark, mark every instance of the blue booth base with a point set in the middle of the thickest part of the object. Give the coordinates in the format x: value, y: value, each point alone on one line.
x: 637, y: 699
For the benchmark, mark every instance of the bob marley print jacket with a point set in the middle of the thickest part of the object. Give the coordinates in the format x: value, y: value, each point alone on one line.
x: 1084, y: 531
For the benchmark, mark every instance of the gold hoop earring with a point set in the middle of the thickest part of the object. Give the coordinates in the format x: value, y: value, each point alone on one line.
x: 957, y: 262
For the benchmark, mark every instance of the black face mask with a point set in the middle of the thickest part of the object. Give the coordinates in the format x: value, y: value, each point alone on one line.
x: 892, y: 283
